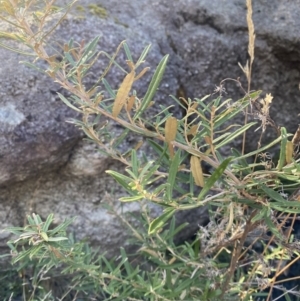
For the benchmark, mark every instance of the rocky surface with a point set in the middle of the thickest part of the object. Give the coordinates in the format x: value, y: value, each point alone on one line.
x: 44, y: 164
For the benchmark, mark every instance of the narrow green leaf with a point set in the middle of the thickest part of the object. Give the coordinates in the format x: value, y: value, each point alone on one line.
x: 168, y: 279
x: 143, y: 55
x: 61, y: 227
x: 107, y: 86
x: 191, y: 182
x: 120, y: 139
x: 219, y: 156
x: 145, y: 170
x: 217, y: 101
x: 128, y: 52
x: 217, y: 174
x: 234, y: 110
x: 162, y: 152
x: 178, y: 102
x: 289, y: 177
x: 172, y: 174
x: 202, y: 103
x: 14, y: 230
x: 89, y: 51
x: 219, y: 138
x: 229, y: 113
x: 197, y: 247
x: 151, y: 171
x: 203, y: 116
x: 271, y: 226
x: 235, y: 134
x: 21, y: 256
x: 5, y: 255
x: 70, y: 44
x: 282, y: 157
x: 274, y: 195
x: 68, y: 103
x: 57, y: 238
x: 160, y: 188
x: 128, y: 267
x: 170, y: 233
x: 160, y: 221
x: 133, y: 176
x: 35, y: 250
x: 37, y: 219
x: 242, y: 162
x: 134, y: 163
x: 44, y: 236
x: 156, y: 79
x: 68, y: 56
x: 260, y: 215
x: 249, y: 202
x: 131, y: 198
x: 181, y: 285
x: 47, y: 223
x: 33, y: 66
x: 14, y: 49
x: 160, y: 121
x: 274, y: 142
x: 88, y: 134
x: 108, y: 264
x: 92, y: 45
x: 121, y: 179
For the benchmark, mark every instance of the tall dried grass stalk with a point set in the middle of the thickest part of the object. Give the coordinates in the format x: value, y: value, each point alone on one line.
x: 248, y: 68
x: 251, y: 32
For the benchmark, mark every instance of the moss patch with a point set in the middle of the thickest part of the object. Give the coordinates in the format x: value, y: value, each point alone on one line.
x: 80, y: 8
x: 98, y: 10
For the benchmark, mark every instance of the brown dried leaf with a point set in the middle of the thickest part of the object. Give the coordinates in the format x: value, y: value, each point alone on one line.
x: 138, y: 145
x: 130, y: 103
x: 289, y: 151
x: 66, y: 48
x: 208, y: 140
x: 51, y: 74
x: 75, y: 54
x: 296, y: 138
x: 194, y: 105
x: 98, y: 99
x: 151, y: 103
x: 193, y: 130
x: 142, y: 73
x: 91, y: 92
x: 171, y: 129
x: 123, y: 93
x: 171, y: 150
x: 196, y: 170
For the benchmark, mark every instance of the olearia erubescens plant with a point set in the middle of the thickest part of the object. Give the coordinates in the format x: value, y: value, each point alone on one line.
x: 245, y: 199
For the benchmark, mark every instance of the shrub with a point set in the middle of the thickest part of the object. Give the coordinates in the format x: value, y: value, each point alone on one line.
x: 252, y: 200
